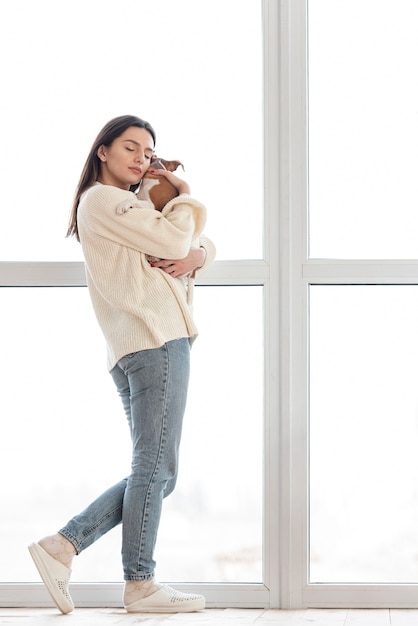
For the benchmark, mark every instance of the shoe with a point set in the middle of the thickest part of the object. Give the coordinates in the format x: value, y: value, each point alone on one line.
x: 55, y: 575
x: 167, y: 600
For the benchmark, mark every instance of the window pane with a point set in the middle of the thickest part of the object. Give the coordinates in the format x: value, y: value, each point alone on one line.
x: 363, y: 434
x: 363, y: 128
x: 64, y: 437
x: 70, y: 68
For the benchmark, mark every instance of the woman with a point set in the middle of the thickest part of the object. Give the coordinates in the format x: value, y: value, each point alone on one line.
x: 143, y: 312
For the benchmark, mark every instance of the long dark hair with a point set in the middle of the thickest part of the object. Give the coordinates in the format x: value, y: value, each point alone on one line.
x: 111, y: 131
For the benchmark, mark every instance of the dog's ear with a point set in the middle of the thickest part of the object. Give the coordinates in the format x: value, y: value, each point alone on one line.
x: 171, y: 166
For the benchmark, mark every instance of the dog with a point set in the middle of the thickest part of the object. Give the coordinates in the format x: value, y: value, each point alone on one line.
x: 158, y: 189
x: 155, y: 189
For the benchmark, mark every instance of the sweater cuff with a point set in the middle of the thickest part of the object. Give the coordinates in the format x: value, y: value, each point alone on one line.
x: 209, y: 246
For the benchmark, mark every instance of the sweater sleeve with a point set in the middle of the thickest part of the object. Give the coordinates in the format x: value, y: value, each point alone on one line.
x: 168, y: 234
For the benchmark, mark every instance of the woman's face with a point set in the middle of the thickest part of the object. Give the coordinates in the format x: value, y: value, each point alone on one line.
x: 127, y: 159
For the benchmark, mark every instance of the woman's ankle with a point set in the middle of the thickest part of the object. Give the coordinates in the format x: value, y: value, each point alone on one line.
x: 138, y: 589
x: 60, y: 548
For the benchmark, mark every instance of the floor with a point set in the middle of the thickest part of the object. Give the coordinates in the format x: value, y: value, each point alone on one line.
x: 214, y: 617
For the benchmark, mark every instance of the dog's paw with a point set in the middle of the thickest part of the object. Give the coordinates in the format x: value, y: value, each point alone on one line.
x: 152, y: 259
x: 124, y: 206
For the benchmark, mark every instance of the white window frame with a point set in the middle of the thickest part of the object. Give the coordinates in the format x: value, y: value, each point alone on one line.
x: 246, y: 272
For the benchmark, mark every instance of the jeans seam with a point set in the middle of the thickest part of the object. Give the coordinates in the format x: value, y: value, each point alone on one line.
x: 79, y: 545
x: 161, y: 447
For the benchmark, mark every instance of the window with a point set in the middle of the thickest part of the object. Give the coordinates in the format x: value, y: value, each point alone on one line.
x: 81, y: 66
x: 363, y: 423
x: 64, y: 438
x: 363, y: 129
x: 349, y: 292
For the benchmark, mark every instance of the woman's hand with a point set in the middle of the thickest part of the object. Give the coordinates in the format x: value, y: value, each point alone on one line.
x: 178, y: 183
x: 182, y: 267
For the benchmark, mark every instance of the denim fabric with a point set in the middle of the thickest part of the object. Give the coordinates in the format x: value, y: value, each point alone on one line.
x: 153, y: 387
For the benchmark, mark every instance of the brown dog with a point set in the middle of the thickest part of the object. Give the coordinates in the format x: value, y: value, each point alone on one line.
x: 158, y: 189
x: 155, y: 189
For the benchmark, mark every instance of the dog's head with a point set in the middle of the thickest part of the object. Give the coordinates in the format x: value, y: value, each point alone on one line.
x: 156, y: 188
x: 162, y: 164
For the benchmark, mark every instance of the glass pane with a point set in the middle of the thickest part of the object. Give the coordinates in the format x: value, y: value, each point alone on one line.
x: 363, y: 434
x: 363, y: 128
x: 64, y: 437
x: 72, y: 67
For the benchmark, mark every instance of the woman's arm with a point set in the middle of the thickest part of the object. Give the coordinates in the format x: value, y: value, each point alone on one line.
x: 198, y: 258
x: 169, y: 233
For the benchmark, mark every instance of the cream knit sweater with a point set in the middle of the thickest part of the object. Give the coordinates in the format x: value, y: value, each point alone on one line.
x: 138, y: 307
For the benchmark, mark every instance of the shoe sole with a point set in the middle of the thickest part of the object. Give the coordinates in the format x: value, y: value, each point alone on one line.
x: 40, y: 558
x: 187, y: 607
x: 167, y: 600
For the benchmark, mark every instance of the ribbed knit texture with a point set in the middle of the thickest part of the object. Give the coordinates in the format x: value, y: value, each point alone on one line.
x: 138, y: 307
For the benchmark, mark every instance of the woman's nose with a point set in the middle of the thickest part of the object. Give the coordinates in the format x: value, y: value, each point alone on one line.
x: 140, y: 157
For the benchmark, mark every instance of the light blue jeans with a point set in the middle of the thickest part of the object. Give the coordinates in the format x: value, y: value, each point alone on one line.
x: 153, y: 387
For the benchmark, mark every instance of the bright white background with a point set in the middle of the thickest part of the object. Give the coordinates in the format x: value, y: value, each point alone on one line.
x: 363, y: 136
x: 364, y: 433
x: 192, y: 69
